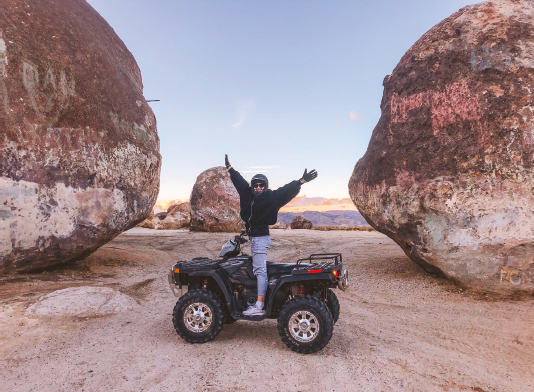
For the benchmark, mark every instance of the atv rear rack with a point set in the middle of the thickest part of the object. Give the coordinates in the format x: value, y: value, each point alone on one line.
x: 330, y: 260
x: 335, y: 257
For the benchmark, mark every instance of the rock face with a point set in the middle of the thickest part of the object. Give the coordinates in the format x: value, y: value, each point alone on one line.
x: 79, y: 150
x: 178, y: 217
x: 85, y: 301
x: 300, y: 223
x: 449, y: 171
x: 161, y: 215
x: 215, y: 202
x: 182, y: 207
x: 150, y: 222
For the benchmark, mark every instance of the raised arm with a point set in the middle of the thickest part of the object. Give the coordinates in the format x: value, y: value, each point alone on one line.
x: 286, y: 193
x: 307, y: 177
x: 241, y: 185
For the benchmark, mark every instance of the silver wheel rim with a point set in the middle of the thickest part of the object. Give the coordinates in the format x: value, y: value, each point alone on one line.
x: 304, y: 326
x: 198, y: 317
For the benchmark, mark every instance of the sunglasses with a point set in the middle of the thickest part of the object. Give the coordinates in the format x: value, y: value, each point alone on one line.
x: 258, y: 185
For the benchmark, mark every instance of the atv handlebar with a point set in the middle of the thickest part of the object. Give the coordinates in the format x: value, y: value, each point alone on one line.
x: 239, y: 239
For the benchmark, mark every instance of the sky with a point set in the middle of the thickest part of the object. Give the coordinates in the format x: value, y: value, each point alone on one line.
x: 278, y: 85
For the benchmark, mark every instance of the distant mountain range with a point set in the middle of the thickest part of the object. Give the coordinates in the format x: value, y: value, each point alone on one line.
x: 327, y: 218
x: 322, y: 204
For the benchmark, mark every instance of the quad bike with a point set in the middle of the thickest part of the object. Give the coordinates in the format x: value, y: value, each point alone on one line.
x: 213, y: 292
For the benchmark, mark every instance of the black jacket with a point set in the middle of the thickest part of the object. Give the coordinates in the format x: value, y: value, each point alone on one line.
x: 258, y: 212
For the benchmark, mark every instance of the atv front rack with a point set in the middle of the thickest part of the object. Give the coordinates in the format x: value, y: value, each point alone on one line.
x: 197, y: 264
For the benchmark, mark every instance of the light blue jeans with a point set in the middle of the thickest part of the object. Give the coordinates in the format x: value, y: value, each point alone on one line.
x: 258, y: 247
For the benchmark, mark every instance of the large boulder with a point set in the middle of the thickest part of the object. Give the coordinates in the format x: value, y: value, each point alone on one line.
x: 215, y: 202
x: 299, y: 222
x: 79, y: 150
x: 178, y: 217
x: 449, y: 171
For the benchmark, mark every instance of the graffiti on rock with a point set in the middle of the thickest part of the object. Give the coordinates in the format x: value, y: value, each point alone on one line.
x: 3, y: 75
x: 49, y: 97
x: 456, y: 104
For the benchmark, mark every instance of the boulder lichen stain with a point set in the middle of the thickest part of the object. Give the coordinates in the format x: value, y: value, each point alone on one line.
x: 139, y: 132
x: 32, y: 213
x: 47, y: 147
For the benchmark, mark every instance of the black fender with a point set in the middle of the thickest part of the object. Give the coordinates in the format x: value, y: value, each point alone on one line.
x: 328, y: 277
x: 217, y: 278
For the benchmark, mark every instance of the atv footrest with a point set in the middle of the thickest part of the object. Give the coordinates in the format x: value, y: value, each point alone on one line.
x: 257, y: 317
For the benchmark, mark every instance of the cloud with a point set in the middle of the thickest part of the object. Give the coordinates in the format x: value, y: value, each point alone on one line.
x: 354, y: 116
x: 263, y: 167
x: 244, y: 110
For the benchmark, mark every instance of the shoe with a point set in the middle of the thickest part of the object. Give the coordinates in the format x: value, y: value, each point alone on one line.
x: 253, y: 311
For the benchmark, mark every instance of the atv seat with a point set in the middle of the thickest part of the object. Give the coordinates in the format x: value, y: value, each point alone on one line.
x: 279, y: 268
x: 275, y: 268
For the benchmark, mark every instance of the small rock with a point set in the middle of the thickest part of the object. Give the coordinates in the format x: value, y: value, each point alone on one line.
x: 85, y: 301
x: 178, y: 216
x: 301, y: 223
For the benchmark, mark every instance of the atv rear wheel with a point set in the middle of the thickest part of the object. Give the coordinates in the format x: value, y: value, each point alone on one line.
x: 198, y: 316
x: 305, y: 324
x: 333, y: 305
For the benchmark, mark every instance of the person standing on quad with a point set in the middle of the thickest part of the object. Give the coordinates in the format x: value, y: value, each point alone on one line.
x: 259, y: 209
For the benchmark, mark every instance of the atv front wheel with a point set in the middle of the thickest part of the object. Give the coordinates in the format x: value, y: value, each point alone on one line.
x: 333, y: 305
x: 198, y: 316
x: 305, y: 324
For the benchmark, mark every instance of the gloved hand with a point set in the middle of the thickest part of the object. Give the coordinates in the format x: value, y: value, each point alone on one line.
x: 226, y: 162
x: 307, y: 177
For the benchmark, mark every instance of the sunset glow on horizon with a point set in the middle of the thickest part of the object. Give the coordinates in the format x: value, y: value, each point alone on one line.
x: 298, y: 204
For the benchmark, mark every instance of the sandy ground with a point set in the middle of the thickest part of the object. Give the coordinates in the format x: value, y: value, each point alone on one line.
x: 399, y: 330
